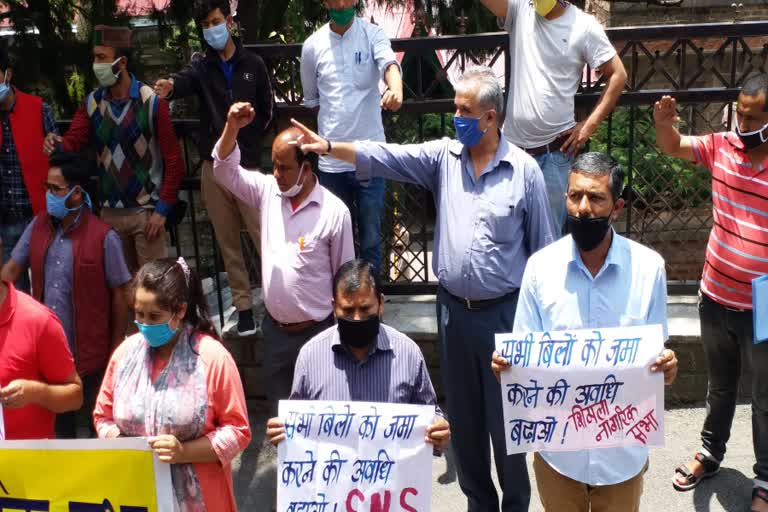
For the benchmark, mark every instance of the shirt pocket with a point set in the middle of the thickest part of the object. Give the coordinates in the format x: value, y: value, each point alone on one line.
x: 306, y: 251
x: 365, y: 73
x: 500, y: 221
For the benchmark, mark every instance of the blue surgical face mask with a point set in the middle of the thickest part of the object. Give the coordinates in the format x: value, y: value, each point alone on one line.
x: 467, y: 130
x: 157, y: 335
x: 5, y: 89
x: 57, y: 206
x: 217, y: 36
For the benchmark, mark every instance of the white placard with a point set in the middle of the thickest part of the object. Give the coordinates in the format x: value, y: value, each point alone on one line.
x: 574, y: 390
x: 354, y: 456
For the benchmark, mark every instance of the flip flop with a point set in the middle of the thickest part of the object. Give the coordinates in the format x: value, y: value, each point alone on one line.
x: 711, y: 468
x: 759, y: 492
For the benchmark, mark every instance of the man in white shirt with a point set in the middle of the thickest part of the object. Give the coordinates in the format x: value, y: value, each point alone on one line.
x: 550, y: 43
x: 612, y: 281
x: 341, y: 67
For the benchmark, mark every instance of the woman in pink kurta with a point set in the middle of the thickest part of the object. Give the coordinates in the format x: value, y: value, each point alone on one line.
x: 175, y: 384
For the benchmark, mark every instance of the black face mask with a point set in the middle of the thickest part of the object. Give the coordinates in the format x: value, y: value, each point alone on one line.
x: 588, y: 232
x: 358, y: 333
x: 752, y: 140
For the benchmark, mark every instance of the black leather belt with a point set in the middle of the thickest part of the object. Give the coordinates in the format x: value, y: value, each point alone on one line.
x: 477, y: 305
x: 555, y: 145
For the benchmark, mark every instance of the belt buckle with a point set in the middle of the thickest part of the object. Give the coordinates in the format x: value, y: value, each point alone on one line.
x: 468, y: 303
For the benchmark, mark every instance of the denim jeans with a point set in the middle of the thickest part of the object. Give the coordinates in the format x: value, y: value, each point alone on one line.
x: 727, y: 338
x: 365, y: 200
x: 10, y: 234
x: 555, y: 167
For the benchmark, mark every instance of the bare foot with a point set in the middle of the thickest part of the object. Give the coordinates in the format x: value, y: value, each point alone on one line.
x: 695, y: 467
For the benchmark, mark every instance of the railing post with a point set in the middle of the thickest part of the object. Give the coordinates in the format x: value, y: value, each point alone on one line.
x: 631, y: 170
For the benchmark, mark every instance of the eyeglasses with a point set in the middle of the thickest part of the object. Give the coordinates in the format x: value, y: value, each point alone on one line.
x: 54, y: 189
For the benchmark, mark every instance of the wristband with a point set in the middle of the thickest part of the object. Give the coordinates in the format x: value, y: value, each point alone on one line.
x: 330, y: 147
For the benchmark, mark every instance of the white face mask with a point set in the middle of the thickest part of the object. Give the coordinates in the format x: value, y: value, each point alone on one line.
x: 296, y: 188
x: 104, y: 74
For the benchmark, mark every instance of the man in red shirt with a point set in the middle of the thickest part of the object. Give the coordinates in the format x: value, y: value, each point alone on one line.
x: 37, y: 373
x: 737, y: 253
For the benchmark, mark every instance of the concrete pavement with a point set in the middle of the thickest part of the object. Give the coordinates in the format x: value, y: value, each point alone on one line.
x: 255, y: 477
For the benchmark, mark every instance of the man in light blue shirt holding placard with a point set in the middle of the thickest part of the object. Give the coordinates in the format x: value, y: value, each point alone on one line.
x: 593, y: 278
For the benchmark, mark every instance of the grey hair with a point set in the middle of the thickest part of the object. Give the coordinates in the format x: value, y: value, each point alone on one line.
x: 599, y: 164
x: 489, y: 90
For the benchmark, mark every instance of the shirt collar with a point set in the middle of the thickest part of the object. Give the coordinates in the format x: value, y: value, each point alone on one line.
x: 352, y: 27
x: 133, y: 92
x: 9, y: 305
x: 13, y: 104
x: 735, y: 141
x: 73, y: 226
x: 382, y: 344
x: 616, y: 253
x: 316, y: 196
x: 503, y: 151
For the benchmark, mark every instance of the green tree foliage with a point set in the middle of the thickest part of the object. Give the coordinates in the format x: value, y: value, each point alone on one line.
x: 51, y: 57
x: 57, y: 58
x: 659, y: 182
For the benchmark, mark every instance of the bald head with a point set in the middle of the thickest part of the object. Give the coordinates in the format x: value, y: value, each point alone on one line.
x: 288, y: 159
x: 286, y: 144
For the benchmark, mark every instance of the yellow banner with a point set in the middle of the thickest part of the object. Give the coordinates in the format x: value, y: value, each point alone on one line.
x: 119, y: 475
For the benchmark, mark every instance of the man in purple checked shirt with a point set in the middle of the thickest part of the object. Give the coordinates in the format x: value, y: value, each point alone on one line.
x: 79, y: 272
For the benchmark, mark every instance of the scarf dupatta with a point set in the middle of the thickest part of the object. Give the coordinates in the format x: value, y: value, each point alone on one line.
x: 175, y: 403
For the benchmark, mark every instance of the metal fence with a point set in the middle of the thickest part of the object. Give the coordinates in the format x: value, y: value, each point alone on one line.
x: 668, y: 201
x: 668, y: 206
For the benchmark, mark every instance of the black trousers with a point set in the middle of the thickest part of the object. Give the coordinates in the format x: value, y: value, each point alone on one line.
x: 66, y: 424
x: 728, y: 344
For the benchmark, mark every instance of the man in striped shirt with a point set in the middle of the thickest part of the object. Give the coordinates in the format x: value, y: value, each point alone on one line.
x: 737, y: 252
x: 360, y: 359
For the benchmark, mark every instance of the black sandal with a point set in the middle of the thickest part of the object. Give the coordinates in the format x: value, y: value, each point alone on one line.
x: 759, y: 492
x: 711, y: 468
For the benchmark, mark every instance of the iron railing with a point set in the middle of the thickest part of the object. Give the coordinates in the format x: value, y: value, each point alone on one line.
x: 668, y: 201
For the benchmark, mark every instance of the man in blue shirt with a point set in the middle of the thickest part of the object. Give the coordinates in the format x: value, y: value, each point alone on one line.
x: 593, y: 278
x: 492, y: 214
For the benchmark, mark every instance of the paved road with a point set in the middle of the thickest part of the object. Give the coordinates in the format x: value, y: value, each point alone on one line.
x: 255, y: 478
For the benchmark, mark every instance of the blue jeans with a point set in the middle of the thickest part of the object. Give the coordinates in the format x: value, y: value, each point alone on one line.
x: 555, y: 166
x: 365, y: 200
x: 10, y: 235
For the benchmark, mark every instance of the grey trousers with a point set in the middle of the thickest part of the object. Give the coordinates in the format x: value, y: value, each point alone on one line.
x: 474, y: 404
x: 281, y: 350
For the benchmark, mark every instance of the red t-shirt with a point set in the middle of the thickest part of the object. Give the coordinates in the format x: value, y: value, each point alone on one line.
x: 33, y: 346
